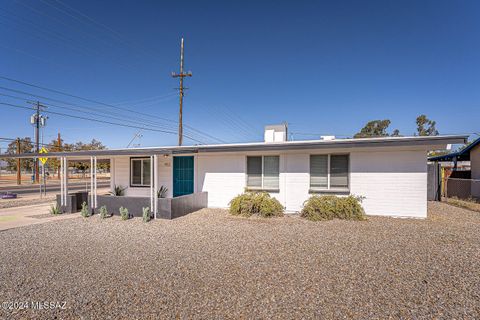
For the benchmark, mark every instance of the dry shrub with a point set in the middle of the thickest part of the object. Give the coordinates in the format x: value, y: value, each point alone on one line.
x: 332, y: 207
x: 258, y: 203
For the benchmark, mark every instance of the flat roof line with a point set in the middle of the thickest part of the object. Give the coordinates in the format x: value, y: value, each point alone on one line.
x: 255, y: 146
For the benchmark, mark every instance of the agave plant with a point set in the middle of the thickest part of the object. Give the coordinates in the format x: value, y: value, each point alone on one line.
x: 118, y: 191
x: 55, y: 209
x: 85, y: 212
x: 162, y: 192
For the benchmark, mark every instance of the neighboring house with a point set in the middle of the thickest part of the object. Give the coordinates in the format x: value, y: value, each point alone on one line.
x: 389, y: 173
x: 470, y: 153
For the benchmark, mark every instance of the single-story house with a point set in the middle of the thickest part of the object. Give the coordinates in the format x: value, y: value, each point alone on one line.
x: 471, y: 153
x: 389, y: 173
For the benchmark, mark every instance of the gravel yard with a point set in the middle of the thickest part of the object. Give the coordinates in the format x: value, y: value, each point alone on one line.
x: 211, y: 265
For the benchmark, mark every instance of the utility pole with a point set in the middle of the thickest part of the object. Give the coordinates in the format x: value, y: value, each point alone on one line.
x: 181, y: 75
x: 59, y: 142
x: 37, y: 120
x: 19, y: 168
x: 37, y: 140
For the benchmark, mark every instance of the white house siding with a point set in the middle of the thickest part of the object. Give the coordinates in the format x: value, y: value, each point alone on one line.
x: 222, y: 175
x: 121, y: 176
x: 393, y: 183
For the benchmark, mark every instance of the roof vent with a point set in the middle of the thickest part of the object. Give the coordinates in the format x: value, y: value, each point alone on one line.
x: 276, y: 133
x: 327, y: 137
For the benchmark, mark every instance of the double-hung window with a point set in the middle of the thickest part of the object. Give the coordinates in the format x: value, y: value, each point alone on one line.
x: 329, y: 172
x: 263, y: 172
x: 140, y: 172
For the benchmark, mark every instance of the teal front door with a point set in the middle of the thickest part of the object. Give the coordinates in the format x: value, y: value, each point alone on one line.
x: 182, y: 176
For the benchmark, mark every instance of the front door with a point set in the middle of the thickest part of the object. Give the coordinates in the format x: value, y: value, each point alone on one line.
x: 182, y: 176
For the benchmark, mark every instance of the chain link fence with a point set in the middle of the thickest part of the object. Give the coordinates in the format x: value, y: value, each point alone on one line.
x: 461, y: 188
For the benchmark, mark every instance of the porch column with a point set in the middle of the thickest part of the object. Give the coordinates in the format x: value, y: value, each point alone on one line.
x: 61, y: 182
x: 95, y: 181
x: 91, y: 183
x: 112, y: 174
x: 155, y: 185
x: 65, y: 180
x: 152, y: 195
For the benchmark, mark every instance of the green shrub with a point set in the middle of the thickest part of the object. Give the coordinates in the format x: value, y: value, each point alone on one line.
x: 124, y: 213
x: 104, y: 212
x: 85, y: 212
x: 332, y: 207
x: 55, y: 209
x: 259, y: 203
x: 146, y: 214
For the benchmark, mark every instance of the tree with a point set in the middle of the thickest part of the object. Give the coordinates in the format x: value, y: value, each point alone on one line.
x: 425, y: 126
x: 376, y: 128
x: 396, y: 133
x: 26, y: 146
x: 92, y: 145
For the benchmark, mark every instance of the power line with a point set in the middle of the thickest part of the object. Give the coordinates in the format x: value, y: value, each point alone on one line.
x: 101, y: 103
x: 68, y: 25
x: 142, y: 121
x: 102, y: 25
x: 82, y: 111
x: 62, y: 41
x: 100, y: 121
x: 145, y: 100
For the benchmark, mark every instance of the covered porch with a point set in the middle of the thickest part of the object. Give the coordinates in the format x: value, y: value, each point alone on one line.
x: 162, y: 182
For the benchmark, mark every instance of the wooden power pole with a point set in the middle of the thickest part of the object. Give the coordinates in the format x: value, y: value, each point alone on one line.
x: 181, y: 89
x: 19, y: 167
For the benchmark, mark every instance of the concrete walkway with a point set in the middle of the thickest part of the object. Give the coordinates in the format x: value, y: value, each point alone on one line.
x: 28, y: 215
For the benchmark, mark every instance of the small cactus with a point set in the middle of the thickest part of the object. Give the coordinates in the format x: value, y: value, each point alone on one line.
x: 104, y: 212
x: 124, y: 213
x: 146, y: 214
x: 85, y: 212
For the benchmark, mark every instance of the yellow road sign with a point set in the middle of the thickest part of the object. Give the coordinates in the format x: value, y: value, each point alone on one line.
x: 44, y: 151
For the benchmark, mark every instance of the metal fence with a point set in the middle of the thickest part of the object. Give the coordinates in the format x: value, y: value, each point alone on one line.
x: 461, y: 188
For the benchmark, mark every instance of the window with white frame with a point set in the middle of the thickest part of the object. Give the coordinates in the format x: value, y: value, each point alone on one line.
x: 140, y: 172
x: 329, y: 172
x: 263, y: 172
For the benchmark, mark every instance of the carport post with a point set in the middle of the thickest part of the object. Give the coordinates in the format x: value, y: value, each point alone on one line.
x: 155, y: 185
x: 61, y: 182
x: 91, y: 183
x: 151, y: 185
x: 65, y: 180
x: 95, y: 181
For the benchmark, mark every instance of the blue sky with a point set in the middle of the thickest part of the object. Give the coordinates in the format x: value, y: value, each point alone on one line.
x: 326, y: 67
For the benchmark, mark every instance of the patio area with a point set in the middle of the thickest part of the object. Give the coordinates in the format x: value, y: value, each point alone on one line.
x: 209, y: 264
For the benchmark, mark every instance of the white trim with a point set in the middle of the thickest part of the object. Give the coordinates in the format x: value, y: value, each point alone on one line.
x: 151, y: 183
x: 95, y: 180
x: 155, y: 183
x: 65, y: 179
x: 92, y: 205
x: 61, y: 182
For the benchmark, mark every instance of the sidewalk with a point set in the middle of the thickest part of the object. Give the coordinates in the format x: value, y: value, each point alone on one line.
x: 28, y: 215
